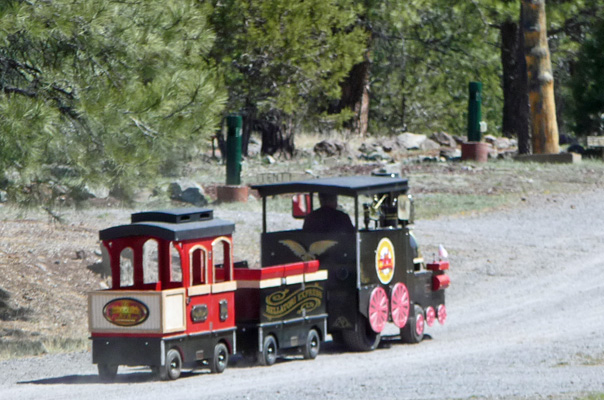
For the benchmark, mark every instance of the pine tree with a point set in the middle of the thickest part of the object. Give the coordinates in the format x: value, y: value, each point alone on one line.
x: 283, y: 61
x: 113, y: 90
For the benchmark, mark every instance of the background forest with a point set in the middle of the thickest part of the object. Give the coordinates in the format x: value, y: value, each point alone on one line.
x: 117, y: 92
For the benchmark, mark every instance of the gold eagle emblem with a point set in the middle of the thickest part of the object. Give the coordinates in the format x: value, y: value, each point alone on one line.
x: 315, y: 249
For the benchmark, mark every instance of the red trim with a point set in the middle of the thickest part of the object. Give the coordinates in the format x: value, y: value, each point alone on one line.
x: 440, y: 282
x: 276, y: 271
x: 153, y: 335
x: 438, y: 266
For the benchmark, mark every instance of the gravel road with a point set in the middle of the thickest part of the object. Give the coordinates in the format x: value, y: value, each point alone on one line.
x: 525, y: 322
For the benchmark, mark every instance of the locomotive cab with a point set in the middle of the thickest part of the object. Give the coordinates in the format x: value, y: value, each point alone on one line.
x: 375, y: 272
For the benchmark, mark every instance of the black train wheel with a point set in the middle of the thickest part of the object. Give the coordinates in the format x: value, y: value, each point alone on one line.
x: 173, y: 366
x: 268, y: 355
x: 313, y: 345
x: 413, y: 332
x: 221, y: 358
x: 363, y: 338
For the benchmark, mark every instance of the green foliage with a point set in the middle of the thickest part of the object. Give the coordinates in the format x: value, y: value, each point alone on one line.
x: 425, y: 54
x: 285, y: 57
x: 114, y: 92
x: 111, y: 89
x: 588, y: 86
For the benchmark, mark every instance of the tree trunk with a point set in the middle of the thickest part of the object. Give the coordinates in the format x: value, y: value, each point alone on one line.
x: 509, y: 46
x: 355, y: 96
x: 277, y: 135
x: 246, y: 131
x: 544, y: 125
x: 523, y: 127
x: 516, y: 116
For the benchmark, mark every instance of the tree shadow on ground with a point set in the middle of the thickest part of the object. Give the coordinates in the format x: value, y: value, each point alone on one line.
x: 8, y: 313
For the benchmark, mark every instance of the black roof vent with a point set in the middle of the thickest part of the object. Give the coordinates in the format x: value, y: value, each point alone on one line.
x: 176, y: 216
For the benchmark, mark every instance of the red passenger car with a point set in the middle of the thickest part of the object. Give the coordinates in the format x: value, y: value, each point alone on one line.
x: 172, y: 300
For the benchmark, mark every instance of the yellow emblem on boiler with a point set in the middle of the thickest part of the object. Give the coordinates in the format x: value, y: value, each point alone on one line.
x: 384, y: 261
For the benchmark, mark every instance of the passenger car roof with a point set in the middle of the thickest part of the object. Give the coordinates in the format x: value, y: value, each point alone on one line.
x: 346, y: 186
x: 171, y: 225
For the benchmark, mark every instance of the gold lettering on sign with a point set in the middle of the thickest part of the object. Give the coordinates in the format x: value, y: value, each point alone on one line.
x: 284, y: 302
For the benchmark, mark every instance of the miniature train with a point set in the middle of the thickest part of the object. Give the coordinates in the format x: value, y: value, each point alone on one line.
x: 178, y: 300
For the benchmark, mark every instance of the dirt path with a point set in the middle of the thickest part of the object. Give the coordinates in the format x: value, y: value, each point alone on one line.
x: 525, y: 322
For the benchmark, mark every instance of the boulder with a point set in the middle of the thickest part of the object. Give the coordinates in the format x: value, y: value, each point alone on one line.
x: 367, y: 147
x: 377, y: 155
x: 174, y: 190
x: 98, y: 192
x: 450, y: 153
x: 429, y: 144
x: 268, y: 159
x: 410, y: 141
x: 490, y: 139
x: 444, y: 139
x: 192, y: 193
x: 459, y: 139
x: 330, y: 148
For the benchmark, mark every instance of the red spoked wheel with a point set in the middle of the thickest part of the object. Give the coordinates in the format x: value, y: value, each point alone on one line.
x: 430, y: 316
x: 399, y: 304
x: 442, y: 314
x: 419, y: 325
x: 378, y: 309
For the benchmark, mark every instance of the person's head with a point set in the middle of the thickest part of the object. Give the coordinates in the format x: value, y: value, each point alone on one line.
x: 328, y: 200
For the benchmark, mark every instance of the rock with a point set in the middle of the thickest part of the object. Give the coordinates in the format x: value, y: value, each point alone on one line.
x: 269, y: 160
x: 573, y: 148
x: 367, y: 148
x: 253, y: 147
x: 429, y: 144
x: 490, y: 139
x: 444, y: 139
x: 192, y: 194
x: 388, y: 145
x: 3, y: 196
x: 459, y: 139
x: 410, y: 141
x: 503, y: 144
x: 330, y: 148
x: 450, y: 153
x: 174, y: 190
x: 98, y: 192
x: 507, y: 154
x: 378, y: 155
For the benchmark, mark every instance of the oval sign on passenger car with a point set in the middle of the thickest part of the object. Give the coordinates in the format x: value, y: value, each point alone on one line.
x: 125, y: 312
x: 384, y: 261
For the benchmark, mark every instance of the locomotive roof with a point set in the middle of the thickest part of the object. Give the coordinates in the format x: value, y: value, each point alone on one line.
x: 346, y: 186
x: 172, y: 225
